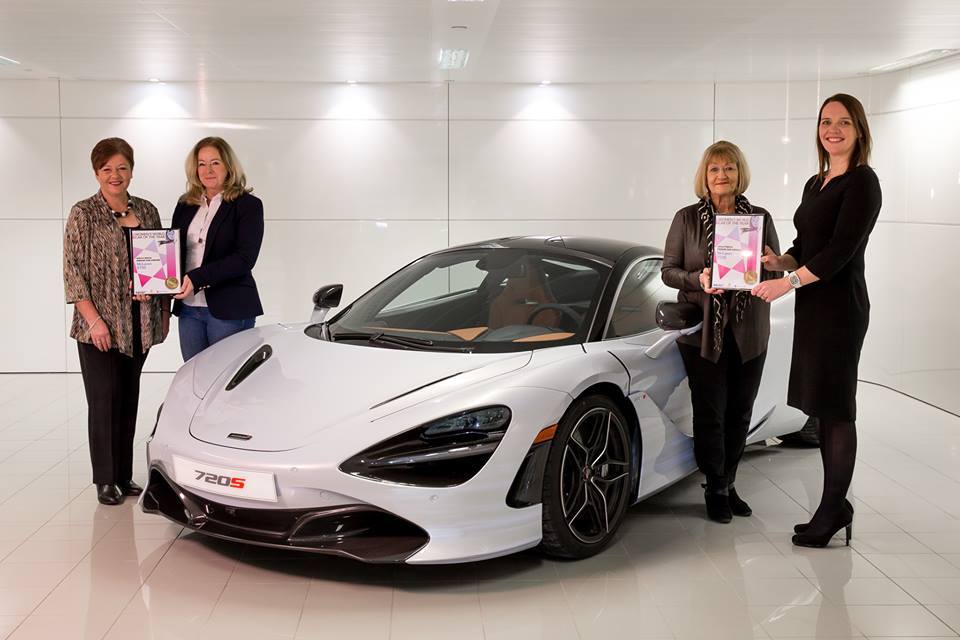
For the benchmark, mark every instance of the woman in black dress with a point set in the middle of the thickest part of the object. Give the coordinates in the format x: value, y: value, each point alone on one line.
x: 839, y: 208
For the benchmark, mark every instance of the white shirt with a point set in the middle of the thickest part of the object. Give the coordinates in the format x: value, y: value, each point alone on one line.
x: 196, y: 238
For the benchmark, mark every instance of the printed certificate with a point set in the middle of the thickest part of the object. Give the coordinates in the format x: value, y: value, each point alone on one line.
x: 737, y: 247
x: 155, y: 258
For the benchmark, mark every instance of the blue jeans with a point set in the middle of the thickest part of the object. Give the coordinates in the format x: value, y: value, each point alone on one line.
x: 199, y: 329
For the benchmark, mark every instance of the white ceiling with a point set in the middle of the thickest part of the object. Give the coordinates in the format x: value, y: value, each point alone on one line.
x: 509, y: 40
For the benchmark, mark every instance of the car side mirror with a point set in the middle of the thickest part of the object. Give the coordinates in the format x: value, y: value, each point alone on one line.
x: 677, y: 316
x: 325, y: 298
x: 677, y: 319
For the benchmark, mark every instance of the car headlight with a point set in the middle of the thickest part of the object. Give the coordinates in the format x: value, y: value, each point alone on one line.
x: 440, y: 453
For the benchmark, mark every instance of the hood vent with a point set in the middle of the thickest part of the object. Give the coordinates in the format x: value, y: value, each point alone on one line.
x: 259, y: 356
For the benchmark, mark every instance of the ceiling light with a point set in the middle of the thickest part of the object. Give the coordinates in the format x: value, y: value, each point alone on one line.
x: 4, y: 60
x: 454, y: 58
x: 351, y: 82
x: 914, y: 60
x: 546, y: 83
x: 464, y: 0
x: 154, y: 80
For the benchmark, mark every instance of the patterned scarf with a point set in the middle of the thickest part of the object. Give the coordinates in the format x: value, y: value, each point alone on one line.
x: 741, y: 299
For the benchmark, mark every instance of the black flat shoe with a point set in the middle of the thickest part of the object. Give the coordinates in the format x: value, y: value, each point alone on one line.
x: 737, y: 506
x: 800, y: 528
x: 130, y: 488
x: 109, y: 494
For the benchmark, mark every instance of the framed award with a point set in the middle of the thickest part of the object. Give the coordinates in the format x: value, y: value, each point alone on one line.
x: 737, y: 248
x: 155, y: 261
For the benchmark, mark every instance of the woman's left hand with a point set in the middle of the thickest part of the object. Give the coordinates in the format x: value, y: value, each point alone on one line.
x: 770, y: 290
x: 187, y: 290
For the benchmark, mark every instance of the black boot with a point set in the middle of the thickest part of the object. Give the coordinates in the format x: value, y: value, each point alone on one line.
x: 737, y: 506
x: 718, y: 504
x: 109, y: 494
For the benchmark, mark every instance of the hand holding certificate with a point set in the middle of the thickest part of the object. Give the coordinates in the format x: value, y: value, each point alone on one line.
x: 155, y: 258
x: 737, y: 247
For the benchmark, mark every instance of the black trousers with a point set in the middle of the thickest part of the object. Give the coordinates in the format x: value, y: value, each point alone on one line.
x: 722, y: 394
x: 111, y: 381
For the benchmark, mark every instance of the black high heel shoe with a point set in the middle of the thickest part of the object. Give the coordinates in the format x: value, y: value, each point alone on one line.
x: 818, y: 540
x: 800, y: 528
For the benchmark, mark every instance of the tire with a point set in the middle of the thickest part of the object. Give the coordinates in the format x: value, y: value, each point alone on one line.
x: 588, y: 480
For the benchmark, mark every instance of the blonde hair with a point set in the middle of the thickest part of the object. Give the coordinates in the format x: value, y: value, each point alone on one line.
x: 729, y: 152
x: 235, y: 184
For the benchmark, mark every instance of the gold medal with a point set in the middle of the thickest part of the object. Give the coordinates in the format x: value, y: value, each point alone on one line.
x: 172, y: 283
x: 750, y: 277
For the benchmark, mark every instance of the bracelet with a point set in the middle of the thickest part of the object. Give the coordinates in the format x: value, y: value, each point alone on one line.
x: 94, y: 323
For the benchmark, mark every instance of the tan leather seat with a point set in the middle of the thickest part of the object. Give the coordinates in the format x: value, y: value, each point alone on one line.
x: 520, y: 296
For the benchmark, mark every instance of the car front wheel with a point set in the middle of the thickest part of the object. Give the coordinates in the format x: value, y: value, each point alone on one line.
x: 586, y: 488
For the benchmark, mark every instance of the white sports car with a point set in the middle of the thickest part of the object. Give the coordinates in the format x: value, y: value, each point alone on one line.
x: 484, y: 399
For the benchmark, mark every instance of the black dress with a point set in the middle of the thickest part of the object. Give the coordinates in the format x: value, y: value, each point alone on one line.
x: 832, y: 315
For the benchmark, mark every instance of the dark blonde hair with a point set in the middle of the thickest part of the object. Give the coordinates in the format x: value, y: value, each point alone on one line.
x: 722, y: 150
x: 109, y: 147
x: 235, y: 184
x: 864, y: 144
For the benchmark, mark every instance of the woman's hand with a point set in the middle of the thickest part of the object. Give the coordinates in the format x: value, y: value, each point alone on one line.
x: 187, y: 290
x: 770, y: 290
x: 100, y: 334
x: 705, y: 283
x: 772, y: 262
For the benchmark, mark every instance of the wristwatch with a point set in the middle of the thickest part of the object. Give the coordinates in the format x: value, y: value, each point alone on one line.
x: 794, y: 280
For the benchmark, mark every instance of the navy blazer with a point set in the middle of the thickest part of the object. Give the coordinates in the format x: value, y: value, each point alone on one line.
x: 229, y: 253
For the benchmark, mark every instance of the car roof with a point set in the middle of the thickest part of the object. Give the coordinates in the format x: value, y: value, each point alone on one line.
x: 605, y: 249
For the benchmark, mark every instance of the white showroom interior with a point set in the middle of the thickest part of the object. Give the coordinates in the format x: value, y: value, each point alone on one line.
x: 571, y: 117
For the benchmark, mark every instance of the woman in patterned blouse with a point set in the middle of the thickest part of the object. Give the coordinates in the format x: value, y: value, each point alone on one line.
x: 114, y: 330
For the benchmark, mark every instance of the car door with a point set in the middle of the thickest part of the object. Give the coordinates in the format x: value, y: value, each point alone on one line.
x: 658, y: 386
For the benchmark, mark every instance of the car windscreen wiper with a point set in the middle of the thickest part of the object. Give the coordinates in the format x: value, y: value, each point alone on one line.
x: 393, y: 339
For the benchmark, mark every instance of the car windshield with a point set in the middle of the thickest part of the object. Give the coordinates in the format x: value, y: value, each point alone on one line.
x: 484, y: 300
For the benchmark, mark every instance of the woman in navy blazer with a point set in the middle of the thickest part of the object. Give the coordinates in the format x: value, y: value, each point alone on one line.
x: 222, y: 223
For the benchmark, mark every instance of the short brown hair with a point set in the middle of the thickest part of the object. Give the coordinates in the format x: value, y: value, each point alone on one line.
x: 722, y: 150
x: 109, y: 147
x: 864, y: 144
x: 235, y: 184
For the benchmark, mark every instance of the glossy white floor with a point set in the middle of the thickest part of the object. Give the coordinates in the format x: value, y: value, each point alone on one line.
x: 74, y: 569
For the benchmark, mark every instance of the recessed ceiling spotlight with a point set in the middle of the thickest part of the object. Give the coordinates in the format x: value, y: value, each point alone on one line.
x: 5, y: 60
x: 351, y: 82
x: 154, y: 80
x: 459, y: 26
x: 546, y: 83
x: 453, y: 58
x: 914, y: 60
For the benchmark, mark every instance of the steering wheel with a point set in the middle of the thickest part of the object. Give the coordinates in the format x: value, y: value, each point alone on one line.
x: 564, y: 309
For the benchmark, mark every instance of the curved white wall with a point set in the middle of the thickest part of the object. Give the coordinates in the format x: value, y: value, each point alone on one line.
x: 358, y: 180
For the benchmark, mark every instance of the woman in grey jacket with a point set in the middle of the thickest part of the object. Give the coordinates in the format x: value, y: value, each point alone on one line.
x: 724, y: 361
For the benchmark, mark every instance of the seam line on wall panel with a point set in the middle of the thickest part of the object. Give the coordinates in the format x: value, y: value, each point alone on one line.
x: 904, y: 393
x: 67, y: 321
x: 714, y: 119
x: 243, y: 120
x: 448, y: 175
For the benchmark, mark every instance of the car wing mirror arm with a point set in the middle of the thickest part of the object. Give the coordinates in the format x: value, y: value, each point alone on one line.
x: 668, y: 339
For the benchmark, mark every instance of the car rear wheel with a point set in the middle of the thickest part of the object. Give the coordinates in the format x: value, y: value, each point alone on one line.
x: 586, y: 488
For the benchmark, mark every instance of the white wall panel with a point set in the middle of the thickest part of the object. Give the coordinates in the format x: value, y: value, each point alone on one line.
x: 30, y: 168
x: 782, y: 100
x: 581, y: 102
x: 253, y: 101
x: 29, y: 98
x: 882, y: 357
x: 558, y: 170
x: 932, y: 148
x: 779, y: 166
x: 302, y: 169
x: 32, y: 322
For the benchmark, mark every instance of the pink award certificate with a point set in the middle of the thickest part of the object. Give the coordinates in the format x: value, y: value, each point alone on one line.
x: 155, y: 259
x: 737, y: 247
